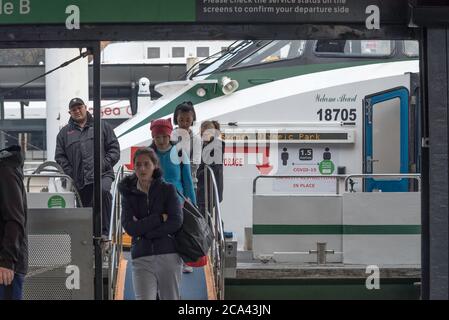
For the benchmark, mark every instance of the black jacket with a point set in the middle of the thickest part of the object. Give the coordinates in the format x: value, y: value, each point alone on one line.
x: 150, y: 235
x: 75, y: 151
x: 216, y: 166
x: 13, y: 212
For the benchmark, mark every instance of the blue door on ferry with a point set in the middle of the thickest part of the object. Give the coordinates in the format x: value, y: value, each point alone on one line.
x: 386, y: 139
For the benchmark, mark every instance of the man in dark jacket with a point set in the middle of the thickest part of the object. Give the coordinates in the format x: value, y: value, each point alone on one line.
x: 75, y: 154
x: 13, y: 220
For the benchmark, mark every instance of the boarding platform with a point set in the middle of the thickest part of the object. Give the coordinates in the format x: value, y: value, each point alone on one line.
x: 62, y: 260
x: 194, y: 286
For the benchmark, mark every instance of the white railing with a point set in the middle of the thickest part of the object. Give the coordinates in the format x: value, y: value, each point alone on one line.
x: 217, y: 254
x: 114, y: 243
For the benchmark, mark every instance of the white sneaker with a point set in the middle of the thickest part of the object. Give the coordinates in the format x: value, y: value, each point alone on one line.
x: 187, y: 269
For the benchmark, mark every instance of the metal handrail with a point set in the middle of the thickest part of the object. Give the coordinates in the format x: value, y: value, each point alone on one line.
x: 115, y: 235
x: 345, y: 177
x: 46, y: 164
x: 218, y: 252
x: 55, y: 175
x: 115, y: 198
x: 415, y: 176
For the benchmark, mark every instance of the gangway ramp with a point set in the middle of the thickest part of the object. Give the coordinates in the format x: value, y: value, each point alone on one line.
x: 194, y: 286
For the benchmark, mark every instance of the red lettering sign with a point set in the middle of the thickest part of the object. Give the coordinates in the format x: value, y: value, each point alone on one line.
x: 233, y: 162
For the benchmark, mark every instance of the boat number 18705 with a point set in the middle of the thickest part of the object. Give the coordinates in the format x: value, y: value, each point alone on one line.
x: 337, y: 114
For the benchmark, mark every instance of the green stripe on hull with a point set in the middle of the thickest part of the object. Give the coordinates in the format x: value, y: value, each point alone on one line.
x: 249, y: 78
x: 336, y: 229
x: 382, y: 229
x: 325, y: 288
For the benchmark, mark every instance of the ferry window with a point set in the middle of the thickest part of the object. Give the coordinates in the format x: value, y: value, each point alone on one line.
x: 226, y: 55
x: 202, y: 51
x: 354, y: 48
x: 153, y: 53
x: 178, y: 52
x: 411, y: 48
x: 275, y: 51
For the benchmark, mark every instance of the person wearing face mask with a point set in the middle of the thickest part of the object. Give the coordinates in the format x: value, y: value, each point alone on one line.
x: 151, y: 215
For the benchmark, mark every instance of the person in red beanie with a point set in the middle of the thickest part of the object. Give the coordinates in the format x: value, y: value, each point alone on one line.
x: 175, y: 163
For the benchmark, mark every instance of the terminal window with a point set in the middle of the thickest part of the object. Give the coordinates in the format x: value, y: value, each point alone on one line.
x: 354, y: 48
x: 153, y: 53
x: 275, y: 51
x: 202, y: 51
x: 178, y: 52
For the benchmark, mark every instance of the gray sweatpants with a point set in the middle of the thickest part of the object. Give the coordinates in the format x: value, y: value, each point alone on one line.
x: 157, y: 275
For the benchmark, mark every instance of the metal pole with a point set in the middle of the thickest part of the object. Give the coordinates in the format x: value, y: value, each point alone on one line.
x: 2, y: 108
x: 437, y: 103
x: 2, y: 117
x: 211, y: 196
x: 98, y: 148
x: 321, y: 252
x: 22, y: 110
x: 425, y: 235
x: 206, y: 192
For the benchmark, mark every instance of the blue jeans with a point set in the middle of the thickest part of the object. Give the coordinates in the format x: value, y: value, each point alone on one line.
x: 14, y: 290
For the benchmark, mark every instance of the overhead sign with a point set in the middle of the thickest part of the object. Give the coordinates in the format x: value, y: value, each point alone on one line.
x: 302, y: 11
x: 96, y: 11
x: 74, y: 12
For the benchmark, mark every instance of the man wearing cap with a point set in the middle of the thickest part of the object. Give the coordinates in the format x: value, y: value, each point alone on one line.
x: 75, y: 154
